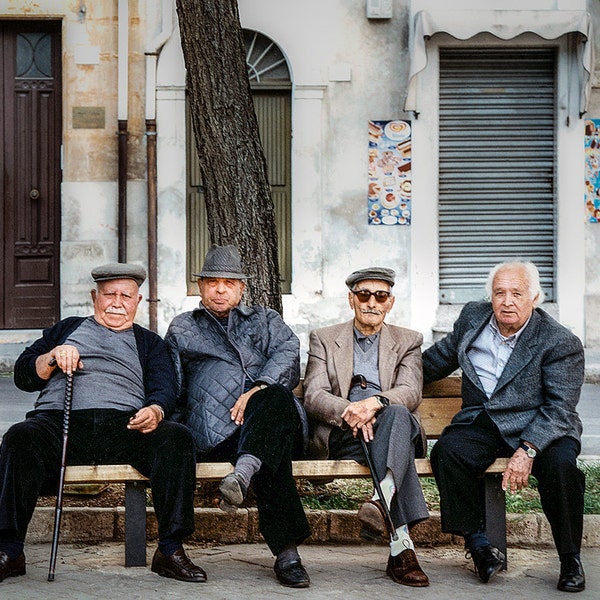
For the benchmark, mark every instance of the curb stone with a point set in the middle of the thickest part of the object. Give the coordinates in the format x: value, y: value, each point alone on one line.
x: 96, y: 525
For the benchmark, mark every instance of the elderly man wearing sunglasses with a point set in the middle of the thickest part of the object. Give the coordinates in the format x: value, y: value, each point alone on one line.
x: 364, y: 378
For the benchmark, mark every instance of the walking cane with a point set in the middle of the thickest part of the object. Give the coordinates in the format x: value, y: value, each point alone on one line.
x: 361, y: 380
x: 61, y: 480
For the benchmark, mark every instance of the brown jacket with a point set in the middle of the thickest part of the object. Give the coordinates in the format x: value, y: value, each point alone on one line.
x: 330, y: 369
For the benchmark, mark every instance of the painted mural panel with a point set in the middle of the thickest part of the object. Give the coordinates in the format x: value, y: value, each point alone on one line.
x: 592, y: 170
x: 389, y: 190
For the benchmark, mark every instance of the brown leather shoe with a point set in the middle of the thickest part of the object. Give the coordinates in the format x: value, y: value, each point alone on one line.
x: 405, y: 569
x: 372, y: 518
x: 178, y: 566
x: 10, y: 567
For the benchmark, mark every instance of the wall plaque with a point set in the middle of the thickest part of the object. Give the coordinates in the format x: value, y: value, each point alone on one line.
x: 89, y: 117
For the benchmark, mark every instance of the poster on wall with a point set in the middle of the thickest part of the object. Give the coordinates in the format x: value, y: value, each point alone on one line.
x: 389, y: 189
x: 592, y: 170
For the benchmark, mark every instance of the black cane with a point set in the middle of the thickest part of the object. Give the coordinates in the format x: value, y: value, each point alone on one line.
x: 61, y: 480
x: 386, y: 509
x: 361, y: 380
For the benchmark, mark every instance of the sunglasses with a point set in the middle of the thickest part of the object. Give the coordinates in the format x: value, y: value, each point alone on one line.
x: 381, y: 296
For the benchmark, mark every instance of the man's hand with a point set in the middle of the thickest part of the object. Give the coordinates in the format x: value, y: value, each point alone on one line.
x: 65, y: 357
x: 238, y: 409
x: 146, y: 419
x: 516, y: 476
x: 361, y: 415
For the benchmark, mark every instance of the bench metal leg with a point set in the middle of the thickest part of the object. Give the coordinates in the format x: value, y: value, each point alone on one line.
x: 495, y: 512
x: 135, y: 524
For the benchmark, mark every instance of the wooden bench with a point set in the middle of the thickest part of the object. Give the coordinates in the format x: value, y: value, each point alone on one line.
x: 441, y: 401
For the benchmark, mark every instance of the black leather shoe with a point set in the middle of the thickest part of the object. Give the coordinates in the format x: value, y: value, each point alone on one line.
x: 488, y: 561
x: 177, y: 566
x: 572, y: 577
x: 10, y: 567
x: 293, y: 575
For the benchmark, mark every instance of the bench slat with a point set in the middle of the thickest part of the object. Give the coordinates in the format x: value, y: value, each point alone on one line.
x: 436, y: 413
x: 302, y: 469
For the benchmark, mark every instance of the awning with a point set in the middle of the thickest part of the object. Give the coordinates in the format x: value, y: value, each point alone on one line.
x: 505, y: 25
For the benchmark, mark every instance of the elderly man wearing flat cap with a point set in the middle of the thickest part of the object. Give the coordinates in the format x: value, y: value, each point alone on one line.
x: 123, y: 388
x: 364, y: 378
x: 237, y: 366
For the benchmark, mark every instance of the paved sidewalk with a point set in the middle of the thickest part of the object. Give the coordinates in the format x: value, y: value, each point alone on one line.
x: 245, y: 571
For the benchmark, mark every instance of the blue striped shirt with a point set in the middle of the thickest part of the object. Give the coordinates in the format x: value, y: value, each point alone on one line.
x: 490, y: 352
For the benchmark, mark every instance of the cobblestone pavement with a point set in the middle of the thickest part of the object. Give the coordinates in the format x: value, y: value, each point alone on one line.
x: 245, y: 571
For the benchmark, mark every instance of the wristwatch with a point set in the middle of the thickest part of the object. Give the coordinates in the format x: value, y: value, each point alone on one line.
x: 383, y: 401
x: 531, y: 452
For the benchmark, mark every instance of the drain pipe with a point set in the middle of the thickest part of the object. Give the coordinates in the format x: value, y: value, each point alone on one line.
x: 123, y: 91
x: 152, y: 53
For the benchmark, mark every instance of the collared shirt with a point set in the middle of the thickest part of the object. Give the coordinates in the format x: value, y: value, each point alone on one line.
x: 366, y: 363
x: 490, y: 352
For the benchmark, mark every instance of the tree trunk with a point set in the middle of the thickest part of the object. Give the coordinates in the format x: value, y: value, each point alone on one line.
x: 232, y: 164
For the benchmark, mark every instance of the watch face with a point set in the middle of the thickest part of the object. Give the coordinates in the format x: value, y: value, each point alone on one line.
x: 531, y: 453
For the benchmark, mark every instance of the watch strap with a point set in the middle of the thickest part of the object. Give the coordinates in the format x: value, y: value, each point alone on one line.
x: 531, y: 452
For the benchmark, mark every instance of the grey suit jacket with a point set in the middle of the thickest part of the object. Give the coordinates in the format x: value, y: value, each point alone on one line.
x: 330, y: 368
x: 537, y: 394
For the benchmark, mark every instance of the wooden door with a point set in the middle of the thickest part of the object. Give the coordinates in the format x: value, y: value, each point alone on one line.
x: 30, y: 173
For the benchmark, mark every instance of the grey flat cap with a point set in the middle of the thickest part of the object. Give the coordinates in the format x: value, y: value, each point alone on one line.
x: 119, y: 271
x: 379, y: 273
x: 222, y: 262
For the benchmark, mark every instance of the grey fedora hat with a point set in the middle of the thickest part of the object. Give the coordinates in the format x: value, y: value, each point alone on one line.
x: 222, y: 261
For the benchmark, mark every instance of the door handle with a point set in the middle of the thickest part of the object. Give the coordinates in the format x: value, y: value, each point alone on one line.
x: 34, y: 194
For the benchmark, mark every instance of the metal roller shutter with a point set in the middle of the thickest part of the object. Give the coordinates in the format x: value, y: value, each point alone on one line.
x: 496, y: 166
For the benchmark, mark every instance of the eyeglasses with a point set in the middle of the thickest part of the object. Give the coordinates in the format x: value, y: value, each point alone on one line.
x: 381, y: 296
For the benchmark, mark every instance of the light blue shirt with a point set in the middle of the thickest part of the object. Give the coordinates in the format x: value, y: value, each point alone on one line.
x: 490, y: 352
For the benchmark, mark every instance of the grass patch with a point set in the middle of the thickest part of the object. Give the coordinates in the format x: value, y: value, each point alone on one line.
x: 349, y: 494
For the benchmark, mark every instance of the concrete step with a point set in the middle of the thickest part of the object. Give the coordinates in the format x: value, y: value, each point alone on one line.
x: 328, y: 527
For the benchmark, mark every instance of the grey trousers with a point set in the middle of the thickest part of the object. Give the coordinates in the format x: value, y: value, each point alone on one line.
x: 393, y: 448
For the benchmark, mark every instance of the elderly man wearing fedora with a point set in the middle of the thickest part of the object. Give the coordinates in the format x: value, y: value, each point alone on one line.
x: 237, y: 366
x: 364, y: 378
x: 124, y: 387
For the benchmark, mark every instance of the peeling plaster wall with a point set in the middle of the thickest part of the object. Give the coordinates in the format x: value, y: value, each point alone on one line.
x: 329, y: 167
x: 330, y: 112
x: 90, y: 159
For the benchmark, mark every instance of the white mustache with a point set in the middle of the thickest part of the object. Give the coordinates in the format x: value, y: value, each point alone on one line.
x: 116, y: 311
x: 368, y: 311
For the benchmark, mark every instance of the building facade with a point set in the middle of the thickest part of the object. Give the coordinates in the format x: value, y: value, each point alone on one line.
x: 493, y: 104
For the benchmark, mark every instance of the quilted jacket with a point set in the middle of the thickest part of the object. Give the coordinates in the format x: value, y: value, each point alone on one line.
x: 214, y: 364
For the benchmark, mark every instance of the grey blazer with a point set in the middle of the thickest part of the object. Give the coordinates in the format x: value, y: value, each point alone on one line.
x: 329, y: 371
x: 537, y: 394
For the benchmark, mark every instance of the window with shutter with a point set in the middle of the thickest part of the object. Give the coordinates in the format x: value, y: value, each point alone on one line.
x: 271, y: 91
x: 497, y: 160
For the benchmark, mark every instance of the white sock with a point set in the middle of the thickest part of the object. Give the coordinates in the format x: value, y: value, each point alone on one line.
x: 387, y: 487
x: 402, y: 543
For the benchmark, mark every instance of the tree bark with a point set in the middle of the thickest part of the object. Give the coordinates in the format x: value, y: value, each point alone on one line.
x: 232, y: 164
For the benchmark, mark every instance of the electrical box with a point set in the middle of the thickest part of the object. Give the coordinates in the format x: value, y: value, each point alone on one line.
x: 379, y: 9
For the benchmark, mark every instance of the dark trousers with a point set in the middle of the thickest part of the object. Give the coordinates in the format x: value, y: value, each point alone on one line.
x: 31, y: 452
x: 269, y: 432
x: 464, y: 452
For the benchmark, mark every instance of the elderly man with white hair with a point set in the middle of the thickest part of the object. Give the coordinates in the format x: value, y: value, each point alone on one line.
x: 522, y: 374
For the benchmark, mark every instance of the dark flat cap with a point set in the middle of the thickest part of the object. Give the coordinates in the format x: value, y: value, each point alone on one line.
x: 379, y: 273
x: 119, y: 271
x: 222, y: 262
